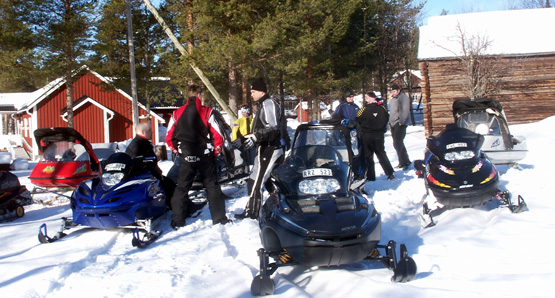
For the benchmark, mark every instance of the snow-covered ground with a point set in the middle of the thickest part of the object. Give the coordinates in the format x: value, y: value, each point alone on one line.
x: 473, y: 252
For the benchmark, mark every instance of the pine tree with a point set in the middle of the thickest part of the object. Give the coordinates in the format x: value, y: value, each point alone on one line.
x: 18, y: 61
x: 65, y: 27
x: 111, y: 52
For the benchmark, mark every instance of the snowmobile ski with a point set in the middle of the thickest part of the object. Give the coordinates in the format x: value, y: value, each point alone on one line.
x: 146, y: 239
x: 505, y: 198
x: 67, y: 223
x: 262, y: 284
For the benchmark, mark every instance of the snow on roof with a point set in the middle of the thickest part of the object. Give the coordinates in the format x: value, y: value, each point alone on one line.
x: 524, y: 31
x: 21, y: 99
x: 412, y: 71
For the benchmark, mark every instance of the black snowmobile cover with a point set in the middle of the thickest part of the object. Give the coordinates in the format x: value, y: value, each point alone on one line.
x: 10, y: 182
x: 466, y: 104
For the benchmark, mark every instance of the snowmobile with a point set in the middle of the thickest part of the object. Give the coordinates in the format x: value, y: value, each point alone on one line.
x: 315, y: 216
x: 13, y: 196
x: 459, y: 174
x: 486, y: 117
x: 125, y: 195
x: 67, y: 159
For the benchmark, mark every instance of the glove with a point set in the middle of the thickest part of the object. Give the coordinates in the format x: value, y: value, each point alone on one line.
x: 285, y: 144
x: 345, y: 122
x: 250, y: 141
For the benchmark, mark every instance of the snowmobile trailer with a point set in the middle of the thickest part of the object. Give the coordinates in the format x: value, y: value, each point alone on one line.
x: 67, y: 159
x: 485, y: 116
x: 125, y: 195
x: 13, y: 196
x: 314, y: 217
x: 458, y: 173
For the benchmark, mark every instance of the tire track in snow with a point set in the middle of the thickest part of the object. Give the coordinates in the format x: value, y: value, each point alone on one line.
x: 74, y: 268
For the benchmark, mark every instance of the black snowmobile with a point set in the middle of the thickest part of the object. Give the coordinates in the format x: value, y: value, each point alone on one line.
x: 13, y: 196
x: 459, y: 174
x: 315, y: 217
x: 126, y: 195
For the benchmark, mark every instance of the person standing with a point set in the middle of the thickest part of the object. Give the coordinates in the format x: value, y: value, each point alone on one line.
x: 399, y: 108
x: 372, y: 121
x: 243, y: 125
x: 266, y: 137
x: 348, y: 109
x: 195, y: 137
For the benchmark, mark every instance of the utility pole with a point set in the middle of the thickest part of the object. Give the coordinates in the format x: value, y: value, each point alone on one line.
x: 132, y: 65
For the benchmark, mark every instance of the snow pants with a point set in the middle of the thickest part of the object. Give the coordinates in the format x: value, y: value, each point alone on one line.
x: 265, y: 161
x: 187, y: 172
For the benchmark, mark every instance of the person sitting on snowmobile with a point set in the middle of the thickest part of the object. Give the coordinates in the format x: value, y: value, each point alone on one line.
x: 141, y: 146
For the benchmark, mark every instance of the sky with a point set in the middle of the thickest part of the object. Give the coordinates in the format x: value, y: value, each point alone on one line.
x: 472, y: 252
x: 434, y: 7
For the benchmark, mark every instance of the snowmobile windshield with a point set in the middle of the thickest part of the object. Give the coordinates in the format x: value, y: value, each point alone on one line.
x: 120, y: 167
x: 319, y: 138
x: 480, y: 122
x: 63, y: 151
x: 455, y: 143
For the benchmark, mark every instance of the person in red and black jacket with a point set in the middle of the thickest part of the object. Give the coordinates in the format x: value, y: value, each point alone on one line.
x: 194, y: 135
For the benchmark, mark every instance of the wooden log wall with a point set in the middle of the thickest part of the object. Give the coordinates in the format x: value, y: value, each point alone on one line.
x: 527, y: 90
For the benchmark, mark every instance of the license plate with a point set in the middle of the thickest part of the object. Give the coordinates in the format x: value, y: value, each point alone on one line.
x: 317, y: 172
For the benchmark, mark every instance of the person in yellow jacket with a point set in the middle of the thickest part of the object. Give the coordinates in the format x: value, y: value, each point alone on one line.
x: 243, y: 125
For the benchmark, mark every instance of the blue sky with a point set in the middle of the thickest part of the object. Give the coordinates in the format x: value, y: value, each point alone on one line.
x: 434, y: 7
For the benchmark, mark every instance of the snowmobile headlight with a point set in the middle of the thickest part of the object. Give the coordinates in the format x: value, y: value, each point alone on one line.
x: 460, y: 155
x: 319, y: 186
x: 111, y: 179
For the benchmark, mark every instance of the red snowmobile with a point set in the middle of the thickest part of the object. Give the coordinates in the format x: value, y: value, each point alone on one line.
x: 67, y: 158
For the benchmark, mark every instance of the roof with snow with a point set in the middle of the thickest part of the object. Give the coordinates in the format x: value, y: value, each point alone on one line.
x: 512, y: 32
x: 10, y: 102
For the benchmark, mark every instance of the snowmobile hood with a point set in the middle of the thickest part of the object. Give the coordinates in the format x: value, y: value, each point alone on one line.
x: 332, y: 215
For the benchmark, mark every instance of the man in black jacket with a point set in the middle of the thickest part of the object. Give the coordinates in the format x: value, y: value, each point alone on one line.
x: 141, y: 146
x: 267, y: 128
x: 372, y: 120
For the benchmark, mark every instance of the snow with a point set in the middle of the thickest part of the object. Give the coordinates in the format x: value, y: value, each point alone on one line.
x: 472, y: 252
x: 510, y: 32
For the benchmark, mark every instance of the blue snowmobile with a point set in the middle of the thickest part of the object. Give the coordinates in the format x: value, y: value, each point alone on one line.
x: 316, y: 216
x: 126, y: 195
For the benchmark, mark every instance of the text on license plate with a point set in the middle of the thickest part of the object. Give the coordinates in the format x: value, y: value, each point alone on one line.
x: 317, y: 172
